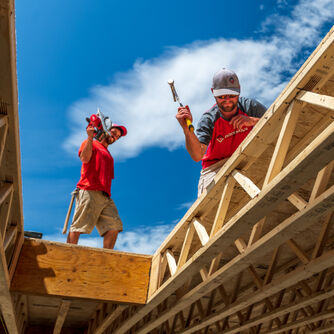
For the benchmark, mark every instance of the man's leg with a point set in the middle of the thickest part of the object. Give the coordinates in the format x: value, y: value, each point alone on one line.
x: 109, y: 239
x: 85, y: 215
x: 73, y: 237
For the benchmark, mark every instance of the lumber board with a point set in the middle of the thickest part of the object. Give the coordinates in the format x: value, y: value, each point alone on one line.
x: 6, y: 302
x: 305, y: 301
x: 319, y: 152
x: 62, y: 313
x: 70, y: 271
x: 292, y: 226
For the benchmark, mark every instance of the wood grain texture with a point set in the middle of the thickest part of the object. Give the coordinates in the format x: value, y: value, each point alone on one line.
x: 49, y: 268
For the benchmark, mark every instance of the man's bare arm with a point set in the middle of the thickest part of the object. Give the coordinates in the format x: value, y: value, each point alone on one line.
x: 87, y: 150
x: 239, y: 121
x: 194, y: 147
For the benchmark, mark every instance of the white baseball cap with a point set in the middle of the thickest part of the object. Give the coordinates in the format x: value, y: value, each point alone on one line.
x: 225, y: 82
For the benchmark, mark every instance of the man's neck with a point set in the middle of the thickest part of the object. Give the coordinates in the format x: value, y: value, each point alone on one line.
x: 228, y: 115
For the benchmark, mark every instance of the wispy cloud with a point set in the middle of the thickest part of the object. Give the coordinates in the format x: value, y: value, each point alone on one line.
x: 185, y: 205
x: 142, y: 240
x: 141, y: 98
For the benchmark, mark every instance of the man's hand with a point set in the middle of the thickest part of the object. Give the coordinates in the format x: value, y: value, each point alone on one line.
x: 240, y: 121
x: 184, y: 113
x: 90, y: 132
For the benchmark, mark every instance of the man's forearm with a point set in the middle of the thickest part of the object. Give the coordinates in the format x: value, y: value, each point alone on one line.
x: 193, y: 145
x: 87, y: 150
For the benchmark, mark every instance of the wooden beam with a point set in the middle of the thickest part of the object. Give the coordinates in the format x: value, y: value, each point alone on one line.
x: 3, y: 134
x: 310, y: 161
x: 186, y: 246
x: 297, y: 201
x: 321, y: 181
x: 201, y: 232
x: 284, y: 282
x: 223, y: 206
x: 5, y: 213
x: 171, y: 262
x: 109, y: 319
x: 299, y: 323
x: 62, y: 313
x: 283, y: 142
x: 6, y: 301
x: 54, y: 269
x: 319, y: 100
x: 298, y: 251
x: 10, y: 236
x: 5, y: 191
x: 156, y: 268
x: 279, y: 311
x: 3, y: 120
x: 251, y: 189
x: 289, y: 228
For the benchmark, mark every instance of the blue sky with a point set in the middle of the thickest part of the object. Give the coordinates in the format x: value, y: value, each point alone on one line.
x: 75, y: 56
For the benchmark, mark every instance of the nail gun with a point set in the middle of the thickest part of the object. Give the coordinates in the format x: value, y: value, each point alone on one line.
x: 101, y: 123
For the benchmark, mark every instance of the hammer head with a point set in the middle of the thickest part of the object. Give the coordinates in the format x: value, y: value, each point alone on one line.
x: 172, y: 87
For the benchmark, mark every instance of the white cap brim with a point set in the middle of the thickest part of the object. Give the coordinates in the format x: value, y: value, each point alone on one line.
x: 225, y: 91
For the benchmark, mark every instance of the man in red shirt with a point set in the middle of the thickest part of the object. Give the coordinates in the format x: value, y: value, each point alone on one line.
x: 94, y: 207
x: 222, y: 128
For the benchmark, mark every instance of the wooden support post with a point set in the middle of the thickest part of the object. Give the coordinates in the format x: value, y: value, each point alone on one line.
x: 251, y: 189
x: 298, y: 251
x: 201, y: 231
x: 62, y: 313
x: 186, y: 246
x: 171, y: 262
x: 283, y: 142
x: 3, y: 134
x: 5, y: 213
x: 109, y: 319
x: 321, y: 181
x: 315, y: 99
x: 297, y: 201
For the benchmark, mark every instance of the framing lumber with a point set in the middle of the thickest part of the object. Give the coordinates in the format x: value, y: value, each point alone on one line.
x: 290, y: 227
x: 319, y: 152
x: 293, y: 154
x: 62, y: 313
x: 64, y: 270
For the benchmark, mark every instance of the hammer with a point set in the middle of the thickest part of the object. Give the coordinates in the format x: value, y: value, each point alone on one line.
x: 176, y: 98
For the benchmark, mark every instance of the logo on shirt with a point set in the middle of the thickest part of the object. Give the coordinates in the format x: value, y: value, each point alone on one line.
x: 220, y: 138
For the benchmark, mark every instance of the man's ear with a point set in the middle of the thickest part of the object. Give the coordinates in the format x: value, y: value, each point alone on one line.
x: 212, y: 90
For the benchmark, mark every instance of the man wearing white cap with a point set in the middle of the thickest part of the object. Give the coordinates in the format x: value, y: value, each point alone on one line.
x: 222, y: 128
x: 94, y: 207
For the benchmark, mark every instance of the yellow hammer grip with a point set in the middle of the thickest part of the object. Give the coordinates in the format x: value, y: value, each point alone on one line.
x: 190, y: 126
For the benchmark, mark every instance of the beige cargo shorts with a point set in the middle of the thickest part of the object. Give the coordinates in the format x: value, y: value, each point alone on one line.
x: 93, y: 208
x: 207, y: 176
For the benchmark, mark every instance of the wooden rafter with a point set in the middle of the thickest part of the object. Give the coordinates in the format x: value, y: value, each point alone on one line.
x: 291, y: 226
x: 61, y: 316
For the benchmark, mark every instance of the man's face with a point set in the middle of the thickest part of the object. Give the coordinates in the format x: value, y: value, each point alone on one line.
x: 115, y: 134
x: 227, y: 104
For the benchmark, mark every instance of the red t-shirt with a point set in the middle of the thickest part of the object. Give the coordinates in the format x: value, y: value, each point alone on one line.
x: 99, y: 171
x: 225, y: 140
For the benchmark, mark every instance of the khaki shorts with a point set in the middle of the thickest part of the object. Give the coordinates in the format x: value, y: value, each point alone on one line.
x: 207, y: 176
x: 92, y: 208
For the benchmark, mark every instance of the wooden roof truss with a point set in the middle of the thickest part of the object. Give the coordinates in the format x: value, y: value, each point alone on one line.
x: 254, y: 254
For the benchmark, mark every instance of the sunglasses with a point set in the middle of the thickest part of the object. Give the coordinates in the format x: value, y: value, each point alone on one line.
x: 225, y: 97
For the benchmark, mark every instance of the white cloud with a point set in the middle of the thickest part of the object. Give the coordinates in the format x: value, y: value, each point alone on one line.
x: 141, y: 240
x: 185, y: 205
x: 141, y: 98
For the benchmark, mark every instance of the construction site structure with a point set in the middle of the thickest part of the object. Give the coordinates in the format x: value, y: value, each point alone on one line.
x: 253, y: 254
